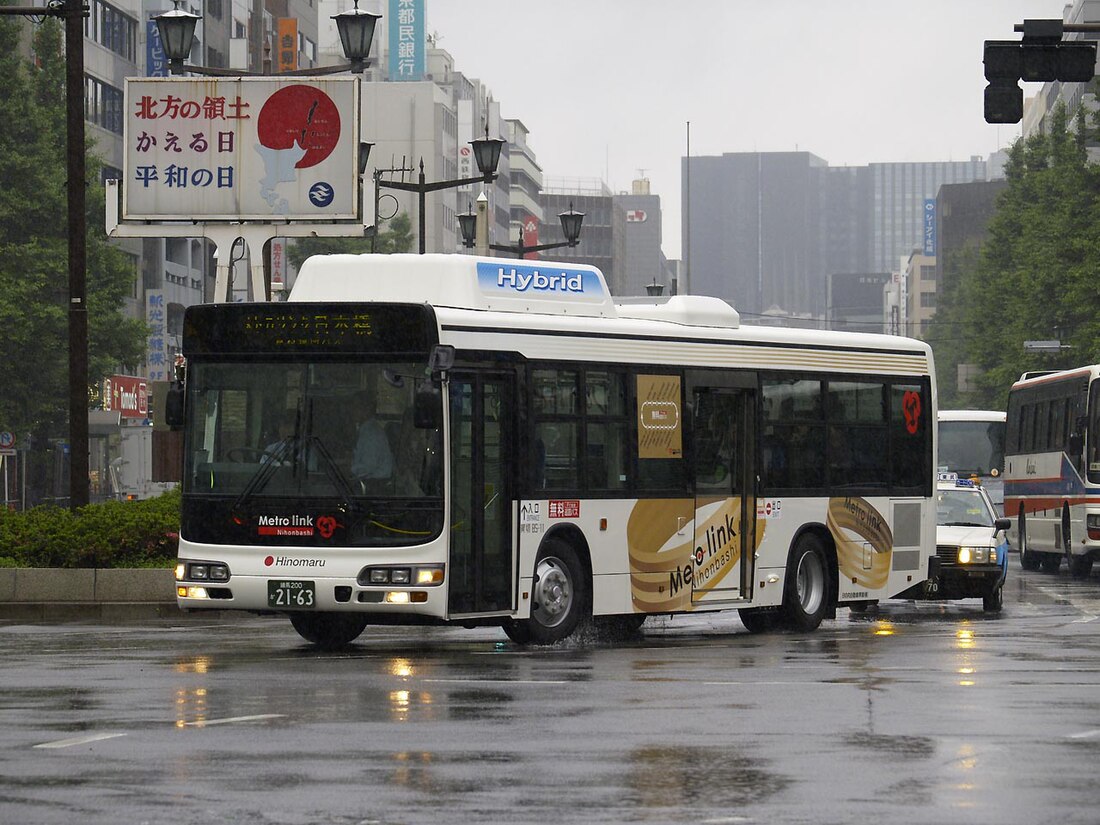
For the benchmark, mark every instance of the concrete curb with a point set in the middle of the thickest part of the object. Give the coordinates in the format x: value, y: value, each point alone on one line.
x: 65, y: 595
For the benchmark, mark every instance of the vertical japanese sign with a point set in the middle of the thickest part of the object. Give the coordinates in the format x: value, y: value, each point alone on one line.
x: 156, y: 62
x: 530, y: 230
x: 406, y: 40
x: 251, y: 148
x: 930, y: 227
x: 288, y: 44
x: 156, y: 350
x: 278, y: 264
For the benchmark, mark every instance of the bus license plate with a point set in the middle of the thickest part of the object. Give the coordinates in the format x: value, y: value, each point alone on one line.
x: 287, y: 594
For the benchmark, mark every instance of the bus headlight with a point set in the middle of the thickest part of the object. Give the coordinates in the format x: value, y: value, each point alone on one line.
x: 202, y: 571
x: 425, y: 575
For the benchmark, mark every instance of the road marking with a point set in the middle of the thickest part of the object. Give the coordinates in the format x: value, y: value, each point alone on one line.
x: 499, y: 681
x: 203, y: 723
x: 1085, y: 734
x: 79, y: 740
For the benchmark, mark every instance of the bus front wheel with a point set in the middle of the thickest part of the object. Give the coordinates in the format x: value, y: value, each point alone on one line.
x: 805, y: 592
x: 329, y: 631
x: 560, y: 597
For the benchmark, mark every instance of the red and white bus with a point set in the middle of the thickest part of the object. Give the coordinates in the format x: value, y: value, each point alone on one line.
x: 1052, y: 469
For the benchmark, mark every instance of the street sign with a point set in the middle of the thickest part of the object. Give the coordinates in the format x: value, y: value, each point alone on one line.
x: 7, y: 440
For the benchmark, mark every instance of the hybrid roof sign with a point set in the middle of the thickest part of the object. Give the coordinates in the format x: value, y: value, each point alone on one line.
x: 247, y: 148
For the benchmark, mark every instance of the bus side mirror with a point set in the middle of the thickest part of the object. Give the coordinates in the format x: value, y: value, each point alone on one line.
x: 173, y: 405
x: 1002, y: 524
x: 427, y: 406
x: 1076, y: 442
x: 441, y: 360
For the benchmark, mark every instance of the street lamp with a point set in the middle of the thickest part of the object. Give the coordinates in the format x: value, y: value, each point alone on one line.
x: 487, y: 156
x: 356, y: 28
x: 655, y: 289
x: 570, y: 226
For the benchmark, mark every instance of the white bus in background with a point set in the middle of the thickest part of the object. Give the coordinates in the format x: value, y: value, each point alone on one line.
x: 972, y: 445
x: 554, y: 455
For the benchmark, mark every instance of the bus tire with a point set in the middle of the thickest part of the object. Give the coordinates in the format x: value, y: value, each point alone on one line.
x: 759, y: 619
x: 561, y: 597
x: 1080, y: 566
x: 806, y: 590
x: 1029, y: 560
x: 994, y: 601
x: 329, y: 631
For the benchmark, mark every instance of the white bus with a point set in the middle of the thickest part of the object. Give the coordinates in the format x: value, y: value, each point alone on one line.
x: 971, y: 444
x: 549, y: 456
x: 1052, y: 469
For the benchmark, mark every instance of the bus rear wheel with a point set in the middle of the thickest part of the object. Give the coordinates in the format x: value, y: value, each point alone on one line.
x: 329, y: 631
x: 1080, y: 566
x: 560, y: 597
x: 1029, y: 560
x: 805, y: 592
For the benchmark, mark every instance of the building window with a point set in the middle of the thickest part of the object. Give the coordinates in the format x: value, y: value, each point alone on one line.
x: 111, y: 29
x: 103, y: 104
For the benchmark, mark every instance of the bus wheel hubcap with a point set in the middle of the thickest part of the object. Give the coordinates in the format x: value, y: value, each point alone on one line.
x: 555, y: 592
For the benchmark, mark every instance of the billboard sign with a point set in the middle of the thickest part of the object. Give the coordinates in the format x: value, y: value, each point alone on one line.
x: 156, y: 350
x: 930, y: 227
x: 288, y: 44
x: 127, y: 395
x: 241, y: 148
x: 407, y: 43
x: 156, y: 61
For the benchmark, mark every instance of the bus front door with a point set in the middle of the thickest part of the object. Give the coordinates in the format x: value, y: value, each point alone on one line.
x: 482, y: 559
x: 725, y: 504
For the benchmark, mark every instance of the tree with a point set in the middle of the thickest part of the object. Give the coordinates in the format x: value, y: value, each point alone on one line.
x: 34, y: 301
x: 1035, y: 277
x: 398, y: 238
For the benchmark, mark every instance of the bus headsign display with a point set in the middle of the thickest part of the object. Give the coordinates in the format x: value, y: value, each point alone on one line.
x: 300, y: 328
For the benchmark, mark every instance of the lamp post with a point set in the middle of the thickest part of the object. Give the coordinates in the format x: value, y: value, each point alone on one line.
x: 356, y: 28
x: 570, y: 226
x: 73, y: 12
x: 487, y: 155
x: 655, y: 289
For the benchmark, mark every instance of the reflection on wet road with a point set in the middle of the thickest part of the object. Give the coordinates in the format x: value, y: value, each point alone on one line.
x: 914, y: 712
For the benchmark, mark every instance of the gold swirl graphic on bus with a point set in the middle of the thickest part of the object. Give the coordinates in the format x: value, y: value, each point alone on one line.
x: 864, y: 558
x: 670, y: 568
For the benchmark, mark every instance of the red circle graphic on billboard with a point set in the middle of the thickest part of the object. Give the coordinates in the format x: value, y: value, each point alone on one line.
x: 301, y: 116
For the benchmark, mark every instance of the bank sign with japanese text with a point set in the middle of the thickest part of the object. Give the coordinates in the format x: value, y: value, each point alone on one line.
x: 241, y: 148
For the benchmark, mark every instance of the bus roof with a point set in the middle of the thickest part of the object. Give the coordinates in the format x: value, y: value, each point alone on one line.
x: 476, y: 300
x: 1088, y: 371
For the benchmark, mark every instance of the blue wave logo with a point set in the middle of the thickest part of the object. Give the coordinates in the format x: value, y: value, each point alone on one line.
x: 321, y: 194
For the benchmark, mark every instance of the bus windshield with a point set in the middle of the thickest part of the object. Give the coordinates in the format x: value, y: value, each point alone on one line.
x: 972, y: 447
x: 308, y: 430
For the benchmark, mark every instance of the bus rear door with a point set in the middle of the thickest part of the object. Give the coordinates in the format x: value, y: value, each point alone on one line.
x: 725, y: 504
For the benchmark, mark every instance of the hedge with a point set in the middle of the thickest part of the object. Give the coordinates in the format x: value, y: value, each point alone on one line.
x: 111, y: 534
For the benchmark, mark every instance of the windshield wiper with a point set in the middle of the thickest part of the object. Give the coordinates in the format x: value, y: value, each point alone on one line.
x: 269, y: 465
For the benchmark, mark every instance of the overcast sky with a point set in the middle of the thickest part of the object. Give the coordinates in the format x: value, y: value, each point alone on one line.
x: 607, y: 87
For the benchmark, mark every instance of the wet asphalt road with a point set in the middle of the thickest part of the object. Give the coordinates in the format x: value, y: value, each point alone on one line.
x: 916, y: 713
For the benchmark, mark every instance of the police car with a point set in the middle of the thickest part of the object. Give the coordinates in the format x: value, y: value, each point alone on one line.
x: 971, y: 543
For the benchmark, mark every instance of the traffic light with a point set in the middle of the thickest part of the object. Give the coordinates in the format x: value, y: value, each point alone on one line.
x: 1040, y: 56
